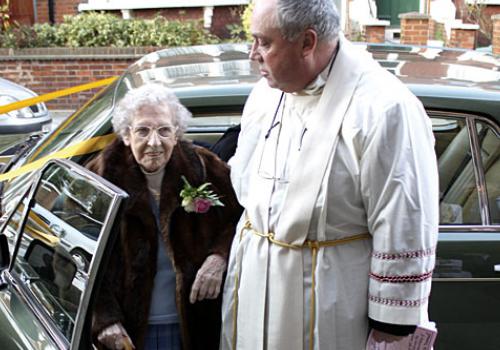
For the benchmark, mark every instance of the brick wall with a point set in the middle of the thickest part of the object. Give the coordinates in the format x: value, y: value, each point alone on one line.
x: 496, y: 34
x: 375, y: 31
x: 414, y: 28
x: 61, y: 8
x: 464, y: 36
x: 48, y: 70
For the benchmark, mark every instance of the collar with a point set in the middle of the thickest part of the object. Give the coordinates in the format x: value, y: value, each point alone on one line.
x: 317, y: 85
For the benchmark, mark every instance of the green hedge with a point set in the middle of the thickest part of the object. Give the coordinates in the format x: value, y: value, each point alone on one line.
x: 94, y: 29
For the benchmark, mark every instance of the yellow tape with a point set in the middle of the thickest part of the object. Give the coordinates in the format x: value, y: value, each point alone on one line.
x: 88, y: 146
x: 52, y: 95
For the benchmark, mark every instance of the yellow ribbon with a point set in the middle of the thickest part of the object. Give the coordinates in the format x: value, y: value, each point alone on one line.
x: 52, y: 95
x: 88, y: 146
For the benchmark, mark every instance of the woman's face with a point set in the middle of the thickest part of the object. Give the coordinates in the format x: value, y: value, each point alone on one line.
x: 151, y: 137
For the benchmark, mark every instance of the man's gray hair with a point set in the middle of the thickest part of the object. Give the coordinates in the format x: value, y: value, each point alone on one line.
x: 295, y: 16
x: 151, y: 94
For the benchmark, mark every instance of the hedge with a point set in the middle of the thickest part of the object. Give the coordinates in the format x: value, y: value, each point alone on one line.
x: 95, y: 29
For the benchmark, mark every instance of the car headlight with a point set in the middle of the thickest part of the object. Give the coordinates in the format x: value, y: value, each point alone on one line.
x: 24, y: 112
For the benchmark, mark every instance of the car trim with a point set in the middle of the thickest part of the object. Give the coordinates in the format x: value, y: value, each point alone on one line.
x: 484, y: 206
x: 469, y: 228
x: 458, y: 279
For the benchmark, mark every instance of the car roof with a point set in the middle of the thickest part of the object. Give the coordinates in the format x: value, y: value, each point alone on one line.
x: 445, y: 79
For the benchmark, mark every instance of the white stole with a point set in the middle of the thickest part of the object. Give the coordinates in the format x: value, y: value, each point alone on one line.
x: 271, y: 277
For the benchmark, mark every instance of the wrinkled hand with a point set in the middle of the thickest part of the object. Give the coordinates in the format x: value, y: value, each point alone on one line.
x: 115, y: 337
x: 208, y: 279
x: 381, y: 337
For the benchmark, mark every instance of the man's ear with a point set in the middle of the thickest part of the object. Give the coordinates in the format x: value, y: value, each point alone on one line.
x: 310, y: 42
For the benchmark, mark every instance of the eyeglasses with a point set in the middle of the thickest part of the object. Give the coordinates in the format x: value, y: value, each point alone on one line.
x: 269, y: 156
x: 145, y: 132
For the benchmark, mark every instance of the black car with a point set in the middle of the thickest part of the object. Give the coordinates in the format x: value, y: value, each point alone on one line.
x: 459, y: 89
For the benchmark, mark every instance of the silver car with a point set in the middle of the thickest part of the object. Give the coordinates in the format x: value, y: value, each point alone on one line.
x: 24, y: 120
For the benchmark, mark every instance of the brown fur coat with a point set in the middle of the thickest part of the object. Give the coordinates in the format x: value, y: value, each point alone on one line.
x: 126, y: 290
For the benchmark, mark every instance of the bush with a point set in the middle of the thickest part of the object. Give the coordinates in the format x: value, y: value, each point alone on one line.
x: 241, y: 32
x: 100, y: 29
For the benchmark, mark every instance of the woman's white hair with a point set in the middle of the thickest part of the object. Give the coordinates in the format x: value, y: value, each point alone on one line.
x: 151, y: 94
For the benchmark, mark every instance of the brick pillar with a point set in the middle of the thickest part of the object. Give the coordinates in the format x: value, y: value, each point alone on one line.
x: 375, y: 30
x: 414, y: 28
x: 495, y: 19
x: 464, y: 35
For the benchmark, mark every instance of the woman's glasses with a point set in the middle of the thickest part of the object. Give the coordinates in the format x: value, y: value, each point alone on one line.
x: 145, y: 132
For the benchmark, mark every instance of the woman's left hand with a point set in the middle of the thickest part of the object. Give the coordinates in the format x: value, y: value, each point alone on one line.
x: 208, y: 279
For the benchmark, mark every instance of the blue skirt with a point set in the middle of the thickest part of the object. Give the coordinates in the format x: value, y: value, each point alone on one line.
x: 163, y: 337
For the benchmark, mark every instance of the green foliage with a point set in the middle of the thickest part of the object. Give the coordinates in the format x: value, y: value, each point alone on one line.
x: 241, y: 32
x: 100, y: 29
x: 5, y: 15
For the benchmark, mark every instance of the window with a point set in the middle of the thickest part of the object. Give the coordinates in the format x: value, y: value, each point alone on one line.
x: 459, y: 202
x: 489, y: 145
x: 58, y: 240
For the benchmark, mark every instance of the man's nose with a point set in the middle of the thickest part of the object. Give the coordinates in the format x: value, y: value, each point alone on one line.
x: 254, y: 52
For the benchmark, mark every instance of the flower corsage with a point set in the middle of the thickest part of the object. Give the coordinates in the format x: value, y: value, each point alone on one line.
x: 198, y: 199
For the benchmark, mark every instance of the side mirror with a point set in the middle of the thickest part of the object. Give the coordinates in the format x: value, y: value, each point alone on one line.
x: 52, y: 265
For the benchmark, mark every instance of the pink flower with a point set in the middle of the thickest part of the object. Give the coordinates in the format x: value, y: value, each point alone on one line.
x: 201, y: 205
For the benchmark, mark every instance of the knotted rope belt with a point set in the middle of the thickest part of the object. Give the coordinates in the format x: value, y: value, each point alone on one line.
x: 310, y: 244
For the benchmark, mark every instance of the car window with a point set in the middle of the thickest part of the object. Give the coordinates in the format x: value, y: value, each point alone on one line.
x: 91, y: 121
x: 459, y: 203
x: 58, y: 240
x: 489, y: 143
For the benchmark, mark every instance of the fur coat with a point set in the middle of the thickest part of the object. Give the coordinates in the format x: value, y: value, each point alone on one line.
x: 126, y: 289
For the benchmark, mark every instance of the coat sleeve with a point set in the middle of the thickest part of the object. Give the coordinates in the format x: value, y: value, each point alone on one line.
x: 217, y: 173
x: 399, y: 184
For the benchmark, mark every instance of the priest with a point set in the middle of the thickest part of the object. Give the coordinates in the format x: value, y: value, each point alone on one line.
x: 336, y: 170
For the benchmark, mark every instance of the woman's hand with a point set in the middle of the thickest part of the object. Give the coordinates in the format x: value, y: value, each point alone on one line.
x: 208, y: 279
x: 115, y: 337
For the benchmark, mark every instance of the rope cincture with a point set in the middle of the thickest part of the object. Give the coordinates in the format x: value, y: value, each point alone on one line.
x: 314, y: 246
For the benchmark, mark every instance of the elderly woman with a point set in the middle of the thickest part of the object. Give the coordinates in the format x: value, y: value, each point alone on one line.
x: 162, y: 286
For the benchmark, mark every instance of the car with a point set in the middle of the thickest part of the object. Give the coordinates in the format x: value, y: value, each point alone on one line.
x: 25, y: 120
x: 459, y: 89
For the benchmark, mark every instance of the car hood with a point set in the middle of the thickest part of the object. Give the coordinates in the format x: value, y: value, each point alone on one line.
x: 15, y: 90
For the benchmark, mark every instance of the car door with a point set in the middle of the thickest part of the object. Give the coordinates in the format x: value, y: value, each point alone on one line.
x: 45, y: 299
x: 465, y: 296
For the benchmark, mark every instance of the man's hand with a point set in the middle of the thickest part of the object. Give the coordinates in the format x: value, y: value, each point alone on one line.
x: 208, y: 279
x: 115, y: 337
x: 381, y: 337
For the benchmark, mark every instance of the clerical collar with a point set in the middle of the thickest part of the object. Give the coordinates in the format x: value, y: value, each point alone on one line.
x: 317, y: 85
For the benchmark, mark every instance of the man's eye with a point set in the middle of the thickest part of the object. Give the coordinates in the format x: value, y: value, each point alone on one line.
x: 263, y: 43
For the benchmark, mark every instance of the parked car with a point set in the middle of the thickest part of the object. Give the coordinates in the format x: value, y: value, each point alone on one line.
x: 24, y: 120
x: 459, y: 89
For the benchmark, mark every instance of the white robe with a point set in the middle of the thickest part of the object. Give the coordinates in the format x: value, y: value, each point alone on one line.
x: 376, y: 174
